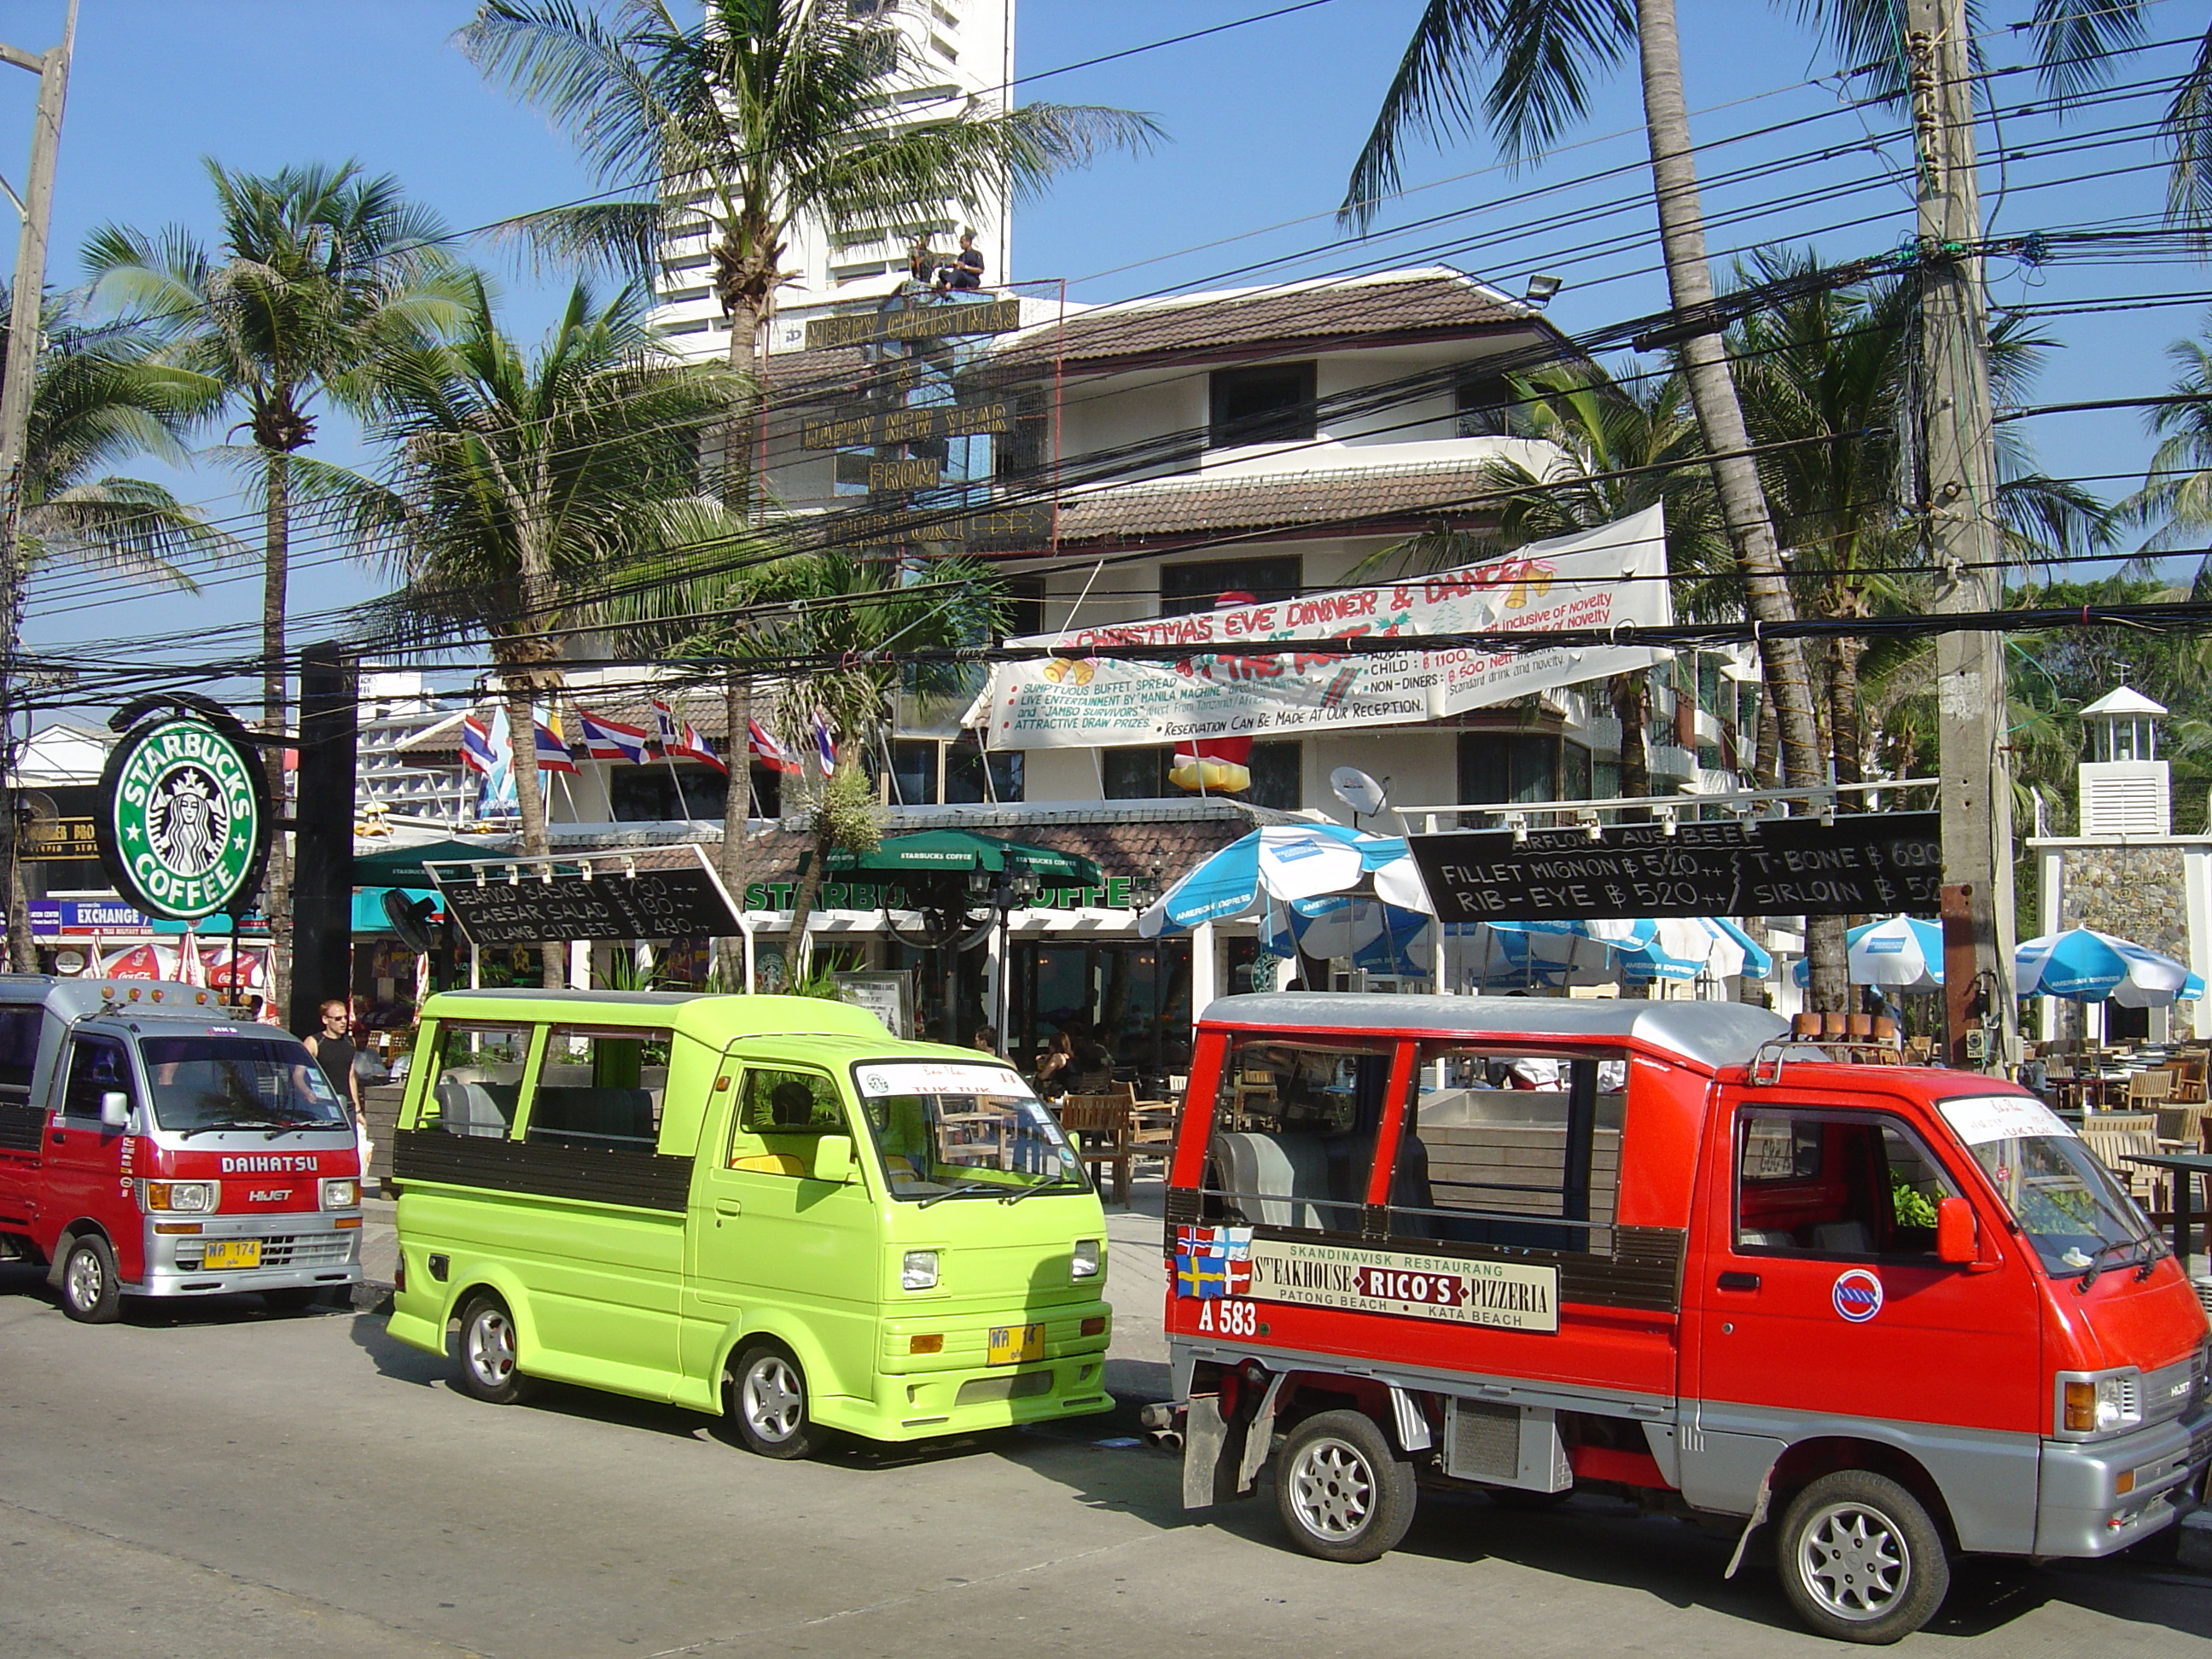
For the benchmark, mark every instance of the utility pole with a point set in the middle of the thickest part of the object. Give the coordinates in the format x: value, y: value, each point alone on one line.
x: 1958, y: 501
x: 18, y: 380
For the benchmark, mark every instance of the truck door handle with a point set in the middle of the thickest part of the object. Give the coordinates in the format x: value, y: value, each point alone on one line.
x: 1739, y: 1281
x: 728, y: 1207
x: 56, y: 1137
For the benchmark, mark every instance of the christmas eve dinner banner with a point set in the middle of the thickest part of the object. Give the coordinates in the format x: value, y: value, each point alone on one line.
x: 1263, y: 668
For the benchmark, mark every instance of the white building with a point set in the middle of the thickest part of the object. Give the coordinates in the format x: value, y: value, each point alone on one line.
x: 395, y: 706
x: 962, y: 53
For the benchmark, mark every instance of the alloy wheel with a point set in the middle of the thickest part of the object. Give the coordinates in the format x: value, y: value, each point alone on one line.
x: 1852, y: 1561
x: 774, y: 1399
x: 491, y: 1347
x: 1333, y: 1489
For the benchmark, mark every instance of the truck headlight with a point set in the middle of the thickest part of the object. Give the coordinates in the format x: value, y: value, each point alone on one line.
x: 341, y: 1194
x: 1085, y: 1264
x: 2099, y: 1402
x: 919, y: 1271
x: 192, y: 1197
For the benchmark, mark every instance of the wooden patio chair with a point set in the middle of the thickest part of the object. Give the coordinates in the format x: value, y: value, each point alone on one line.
x: 2145, y: 1088
x: 1104, y: 1129
x: 2115, y: 1137
x: 2181, y: 1127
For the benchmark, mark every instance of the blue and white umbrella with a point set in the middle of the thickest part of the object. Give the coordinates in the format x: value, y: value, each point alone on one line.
x: 1366, y: 932
x: 1287, y: 862
x: 1697, y: 947
x: 1903, y: 953
x: 2083, y: 965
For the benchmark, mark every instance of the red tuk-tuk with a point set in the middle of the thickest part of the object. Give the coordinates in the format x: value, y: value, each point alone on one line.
x: 1534, y: 1246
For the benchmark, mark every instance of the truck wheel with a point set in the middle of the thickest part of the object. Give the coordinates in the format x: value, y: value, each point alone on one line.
x: 767, y: 1392
x: 487, y: 1350
x: 1343, y: 1494
x: 91, y: 1291
x: 1861, y: 1559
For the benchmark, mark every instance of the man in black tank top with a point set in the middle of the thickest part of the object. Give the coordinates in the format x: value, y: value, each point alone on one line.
x: 332, y: 1048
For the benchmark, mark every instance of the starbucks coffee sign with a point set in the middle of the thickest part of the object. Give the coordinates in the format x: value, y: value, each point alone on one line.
x: 184, y: 815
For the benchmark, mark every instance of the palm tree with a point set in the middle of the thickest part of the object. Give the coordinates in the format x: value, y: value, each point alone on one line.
x: 101, y: 397
x: 835, y: 605
x: 756, y: 116
x: 317, y: 269
x: 518, y: 481
x: 2175, y: 501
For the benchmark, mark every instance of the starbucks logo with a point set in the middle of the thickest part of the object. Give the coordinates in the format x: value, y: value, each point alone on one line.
x: 180, y: 827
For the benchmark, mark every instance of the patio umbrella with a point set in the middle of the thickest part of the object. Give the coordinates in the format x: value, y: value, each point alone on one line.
x: 1902, y: 952
x: 1287, y: 861
x: 1695, y: 947
x: 1545, y: 956
x: 142, y: 961
x: 1368, y: 932
x: 2083, y: 965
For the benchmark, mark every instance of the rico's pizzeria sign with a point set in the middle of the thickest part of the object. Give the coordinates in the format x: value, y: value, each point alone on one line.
x: 1228, y: 1261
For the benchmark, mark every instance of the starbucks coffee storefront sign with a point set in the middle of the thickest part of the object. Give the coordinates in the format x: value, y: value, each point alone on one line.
x: 184, y: 818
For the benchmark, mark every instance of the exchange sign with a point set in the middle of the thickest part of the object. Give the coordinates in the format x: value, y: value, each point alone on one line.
x: 183, y: 823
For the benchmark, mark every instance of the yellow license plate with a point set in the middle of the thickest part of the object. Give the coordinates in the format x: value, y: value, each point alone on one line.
x: 231, y: 1252
x: 1012, y: 1343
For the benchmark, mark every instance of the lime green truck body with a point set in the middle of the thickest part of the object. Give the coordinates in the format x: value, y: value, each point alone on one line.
x: 608, y: 1164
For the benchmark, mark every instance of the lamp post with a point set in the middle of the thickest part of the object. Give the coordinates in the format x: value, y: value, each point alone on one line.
x: 1014, y: 890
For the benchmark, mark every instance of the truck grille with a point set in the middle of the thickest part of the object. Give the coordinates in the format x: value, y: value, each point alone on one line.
x: 287, y: 1250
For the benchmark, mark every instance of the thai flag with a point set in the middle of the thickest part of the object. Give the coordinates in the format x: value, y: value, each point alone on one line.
x: 475, y: 745
x: 769, y: 748
x: 552, y: 746
x: 825, y: 746
x: 693, y: 746
x: 611, y: 740
x: 663, y: 726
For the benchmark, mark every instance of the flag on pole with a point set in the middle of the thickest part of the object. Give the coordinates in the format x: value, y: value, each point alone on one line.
x: 475, y: 745
x: 663, y: 726
x: 552, y: 743
x: 496, y: 793
x: 694, y: 746
x: 825, y: 746
x: 611, y: 740
x: 770, y: 750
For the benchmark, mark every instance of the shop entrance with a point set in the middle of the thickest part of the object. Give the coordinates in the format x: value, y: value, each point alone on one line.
x: 1132, y: 997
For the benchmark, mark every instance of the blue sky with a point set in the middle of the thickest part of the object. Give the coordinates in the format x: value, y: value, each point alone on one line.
x: 1264, y: 122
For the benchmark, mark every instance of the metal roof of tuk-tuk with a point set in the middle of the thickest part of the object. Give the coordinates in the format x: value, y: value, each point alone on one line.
x: 1712, y: 1034
x: 77, y: 996
x: 711, y: 1017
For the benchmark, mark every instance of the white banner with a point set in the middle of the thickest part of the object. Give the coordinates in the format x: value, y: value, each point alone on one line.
x: 1510, y: 1295
x: 1233, y: 685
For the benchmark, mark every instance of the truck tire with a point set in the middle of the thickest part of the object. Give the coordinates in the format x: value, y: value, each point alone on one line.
x: 488, y: 1353
x: 766, y: 1394
x: 1343, y: 1494
x: 91, y: 1292
x: 1861, y: 1559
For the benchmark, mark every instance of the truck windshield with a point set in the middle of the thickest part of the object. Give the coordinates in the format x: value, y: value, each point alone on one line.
x: 237, y: 1082
x: 946, y: 1129
x: 2072, y: 1210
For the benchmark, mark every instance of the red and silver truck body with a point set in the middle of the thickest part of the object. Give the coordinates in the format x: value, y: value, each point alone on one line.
x: 1539, y: 1244
x: 151, y: 1143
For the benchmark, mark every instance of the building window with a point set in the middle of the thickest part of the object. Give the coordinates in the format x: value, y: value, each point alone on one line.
x: 1483, y: 408
x: 1522, y: 767
x: 1269, y: 404
x: 1137, y: 774
x: 1188, y: 587
x: 1023, y: 598
x: 660, y: 794
x: 972, y: 775
x: 1278, y: 775
x: 914, y: 772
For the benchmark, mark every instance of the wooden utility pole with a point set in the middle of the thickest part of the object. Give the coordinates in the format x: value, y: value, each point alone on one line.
x: 1958, y: 502
x: 18, y: 381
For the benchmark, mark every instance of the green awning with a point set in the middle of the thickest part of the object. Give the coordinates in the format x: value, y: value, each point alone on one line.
x: 958, y: 852
x: 402, y: 867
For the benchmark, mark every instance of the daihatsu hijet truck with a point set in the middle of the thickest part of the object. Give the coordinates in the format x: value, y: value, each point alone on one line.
x: 1882, y: 1314
x: 153, y: 1144
x: 766, y: 1207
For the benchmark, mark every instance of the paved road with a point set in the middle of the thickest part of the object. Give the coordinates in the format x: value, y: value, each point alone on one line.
x: 218, y: 1482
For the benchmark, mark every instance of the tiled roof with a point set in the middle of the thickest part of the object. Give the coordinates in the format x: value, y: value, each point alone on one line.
x: 1369, y: 501
x: 1437, y: 302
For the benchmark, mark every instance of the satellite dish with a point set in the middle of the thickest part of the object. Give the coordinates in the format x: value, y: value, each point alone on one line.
x: 413, y: 919
x: 1358, y: 791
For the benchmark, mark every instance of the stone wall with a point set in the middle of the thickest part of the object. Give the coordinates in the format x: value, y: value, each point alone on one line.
x: 2135, y: 892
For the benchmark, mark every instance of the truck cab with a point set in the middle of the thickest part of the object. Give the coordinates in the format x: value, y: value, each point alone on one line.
x: 153, y: 1144
x: 1882, y: 1315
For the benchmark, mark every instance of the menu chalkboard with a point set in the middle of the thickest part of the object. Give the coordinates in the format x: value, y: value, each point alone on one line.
x: 677, y: 903
x: 1864, y: 864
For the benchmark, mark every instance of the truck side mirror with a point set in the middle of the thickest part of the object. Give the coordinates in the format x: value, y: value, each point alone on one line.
x: 115, y: 1110
x: 833, y: 1158
x: 1955, y: 1241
